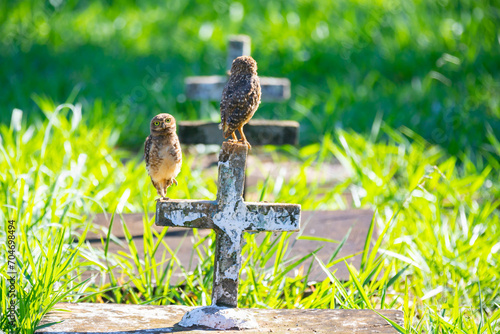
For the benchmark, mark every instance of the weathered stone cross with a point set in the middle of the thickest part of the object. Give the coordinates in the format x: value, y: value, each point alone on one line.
x: 229, y: 216
x: 259, y: 132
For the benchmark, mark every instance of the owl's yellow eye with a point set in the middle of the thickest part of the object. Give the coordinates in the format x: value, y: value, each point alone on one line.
x: 156, y: 123
x: 168, y: 120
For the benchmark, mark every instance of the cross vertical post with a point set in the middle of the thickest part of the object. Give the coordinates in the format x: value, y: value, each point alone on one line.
x: 228, y: 243
x: 239, y: 45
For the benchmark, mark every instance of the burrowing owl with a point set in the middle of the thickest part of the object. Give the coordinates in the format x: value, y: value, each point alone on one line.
x: 162, y: 153
x: 240, y: 97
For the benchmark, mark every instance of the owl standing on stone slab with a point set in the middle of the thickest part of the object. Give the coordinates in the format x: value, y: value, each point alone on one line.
x: 162, y: 153
x: 240, y: 97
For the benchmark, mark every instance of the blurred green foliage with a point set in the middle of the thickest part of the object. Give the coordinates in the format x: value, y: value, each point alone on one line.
x: 429, y: 65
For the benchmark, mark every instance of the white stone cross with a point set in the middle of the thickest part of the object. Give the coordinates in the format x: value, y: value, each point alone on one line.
x: 229, y: 216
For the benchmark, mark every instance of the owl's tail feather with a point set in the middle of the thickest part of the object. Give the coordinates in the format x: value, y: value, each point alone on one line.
x: 226, y: 129
x: 223, y: 128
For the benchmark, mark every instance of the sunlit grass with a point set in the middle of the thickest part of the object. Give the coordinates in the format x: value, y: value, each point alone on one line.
x: 436, y: 257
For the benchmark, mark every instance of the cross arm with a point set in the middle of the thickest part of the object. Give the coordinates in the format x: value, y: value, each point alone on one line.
x: 272, y: 217
x: 185, y: 213
x: 210, y: 88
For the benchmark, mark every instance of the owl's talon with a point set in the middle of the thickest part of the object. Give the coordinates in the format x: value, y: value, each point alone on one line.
x: 175, y: 181
x: 245, y: 142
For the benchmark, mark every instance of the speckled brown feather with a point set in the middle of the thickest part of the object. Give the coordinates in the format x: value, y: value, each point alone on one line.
x: 162, y: 153
x: 241, y: 95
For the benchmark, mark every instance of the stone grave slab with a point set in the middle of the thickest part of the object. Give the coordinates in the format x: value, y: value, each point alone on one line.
x: 134, y: 319
x: 259, y: 132
x: 326, y: 224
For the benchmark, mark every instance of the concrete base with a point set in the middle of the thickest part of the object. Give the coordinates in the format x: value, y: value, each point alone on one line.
x: 219, y: 318
x: 120, y: 319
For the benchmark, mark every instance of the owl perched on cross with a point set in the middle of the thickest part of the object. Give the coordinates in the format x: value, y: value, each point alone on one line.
x: 162, y: 153
x: 240, y: 97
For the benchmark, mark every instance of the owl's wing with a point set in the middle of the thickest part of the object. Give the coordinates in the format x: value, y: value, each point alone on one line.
x: 254, y: 92
x: 147, y: 147
x: 238, y: 94
x: 247, y: 94
x: 225, y: 103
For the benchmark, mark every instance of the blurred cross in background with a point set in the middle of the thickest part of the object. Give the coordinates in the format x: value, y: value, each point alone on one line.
x: 259, y: 132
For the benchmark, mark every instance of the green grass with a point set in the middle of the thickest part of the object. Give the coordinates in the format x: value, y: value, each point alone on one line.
x: 431, y: 66
x: 404, y: 94
x: 436, y: 257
